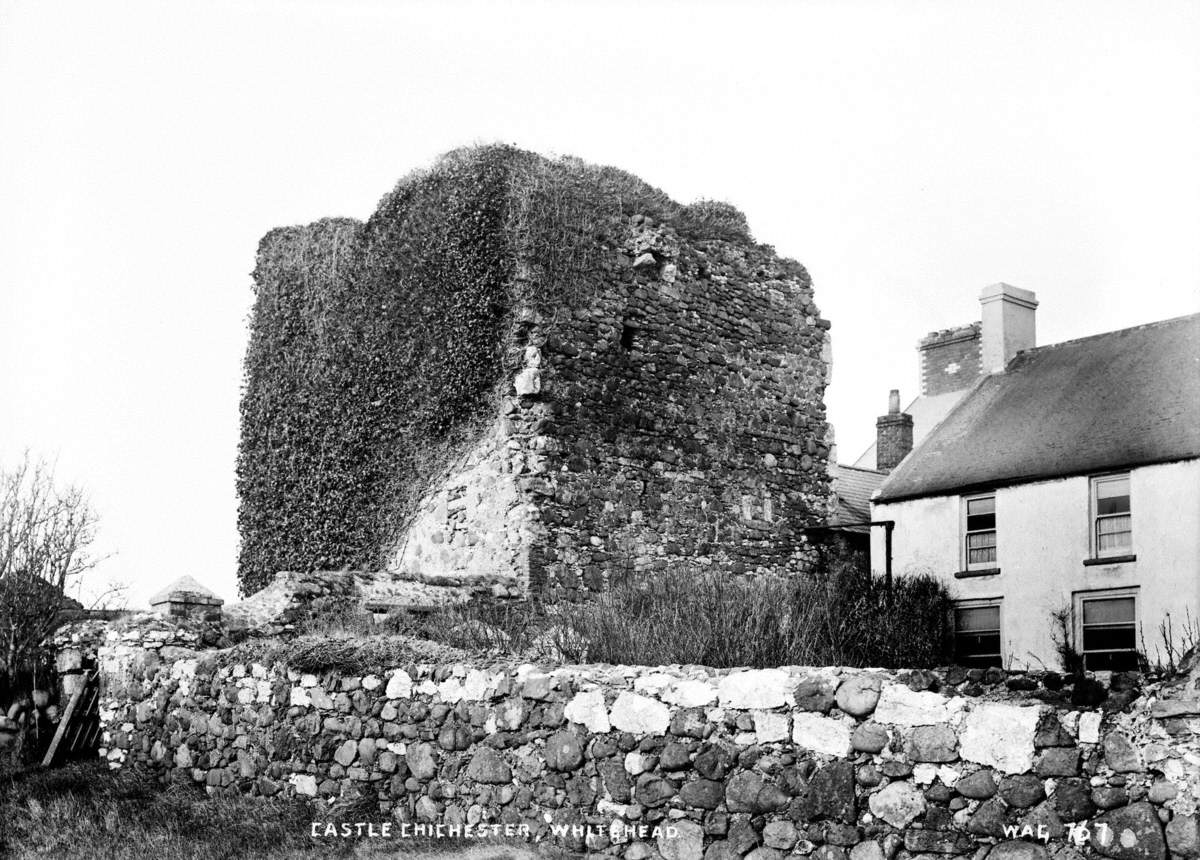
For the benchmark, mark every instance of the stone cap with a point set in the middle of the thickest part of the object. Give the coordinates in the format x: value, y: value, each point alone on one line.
x: 186, y: 590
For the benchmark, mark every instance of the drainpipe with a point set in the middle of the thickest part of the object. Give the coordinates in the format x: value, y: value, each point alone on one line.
x: 888, y: 527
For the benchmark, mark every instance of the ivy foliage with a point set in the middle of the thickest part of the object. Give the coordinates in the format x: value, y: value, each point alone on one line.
x: 377, y: 350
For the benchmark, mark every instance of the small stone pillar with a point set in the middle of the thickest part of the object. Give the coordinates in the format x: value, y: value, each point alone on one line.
x: 186, y: 598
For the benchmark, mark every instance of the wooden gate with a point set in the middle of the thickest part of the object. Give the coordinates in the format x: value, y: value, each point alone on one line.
x: 79, y: 728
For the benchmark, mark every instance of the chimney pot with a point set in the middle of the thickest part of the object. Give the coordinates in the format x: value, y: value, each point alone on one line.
x: 894, y: 402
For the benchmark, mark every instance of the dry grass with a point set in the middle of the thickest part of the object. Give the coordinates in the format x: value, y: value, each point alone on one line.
x: 841, y: 616
x: 86, y: 812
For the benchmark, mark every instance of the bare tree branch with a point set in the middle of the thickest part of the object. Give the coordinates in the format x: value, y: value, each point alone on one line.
x: 45, y: 534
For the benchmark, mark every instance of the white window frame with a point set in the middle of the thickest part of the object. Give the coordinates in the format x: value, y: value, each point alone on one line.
x: 980, y: 603
x: 1094, y: 516
x: 1081, y: 597
x: 964, y: 551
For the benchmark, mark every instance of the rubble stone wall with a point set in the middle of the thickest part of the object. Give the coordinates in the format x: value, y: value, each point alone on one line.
x: 684, y: 414
x: 691, y: 762
x: 673, y: 416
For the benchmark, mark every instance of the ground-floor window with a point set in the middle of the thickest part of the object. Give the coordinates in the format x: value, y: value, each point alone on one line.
x: 1108, y: 629
x: 977, y: 633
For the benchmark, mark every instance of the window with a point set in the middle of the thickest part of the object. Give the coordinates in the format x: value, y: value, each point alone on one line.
x: 977, y: 634
x: 980, y: 543
x: 1108, y: 629
x: 1112, y: 525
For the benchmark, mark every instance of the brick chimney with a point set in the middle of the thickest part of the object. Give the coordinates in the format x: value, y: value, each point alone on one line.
x: 893, y: 435
x: 951, y: 359
x: 1008, y: 324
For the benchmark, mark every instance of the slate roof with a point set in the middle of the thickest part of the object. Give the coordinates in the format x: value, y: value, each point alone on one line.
x: 1112, y: 401
x: 853, y: 488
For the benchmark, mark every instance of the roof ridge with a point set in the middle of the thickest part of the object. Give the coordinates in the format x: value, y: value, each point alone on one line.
x: 859, y: 469
x: 1073, y: 341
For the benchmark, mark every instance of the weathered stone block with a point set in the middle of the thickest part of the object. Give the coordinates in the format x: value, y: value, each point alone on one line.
x: 937, y: 743
x: 488, y: 767
x: 1130, y: 833
x: 639, y: 714
x: 869, y: 737
x: 1183, y: 836
x: 897, y: 803
x: 900, y: 706
x: 1058, y: 761
x: 760, y: 689
x: 821, y: 734
x: 1000, y: 736
x: 1121, y: 755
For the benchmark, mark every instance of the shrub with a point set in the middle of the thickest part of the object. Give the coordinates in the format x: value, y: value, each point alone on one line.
x: 715, y: 219
x: 1062, y: 622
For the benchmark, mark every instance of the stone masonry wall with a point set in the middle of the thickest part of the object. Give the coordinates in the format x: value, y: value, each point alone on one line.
x: 672, y: 415
x: 476, y: 521
x: 689, y: 763
x: 683, y: 409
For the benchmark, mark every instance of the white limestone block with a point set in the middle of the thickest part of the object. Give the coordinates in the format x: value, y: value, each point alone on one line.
x: 1000, y: 736
x: 821, y: 734
x: 399, y: 685
x: 770, y: 727
x: 756, y: 688
x: 901, y: 706
x: 690, y: 694
x: 588, y: 709
x: 639, y: 715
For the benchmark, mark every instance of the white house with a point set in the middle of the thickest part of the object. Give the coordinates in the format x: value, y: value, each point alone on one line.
x: 1062, y: 477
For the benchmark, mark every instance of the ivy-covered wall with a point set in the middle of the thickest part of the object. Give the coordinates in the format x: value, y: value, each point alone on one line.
x: 537, y: 368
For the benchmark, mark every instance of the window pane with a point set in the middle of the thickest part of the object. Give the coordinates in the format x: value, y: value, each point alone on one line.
x: 986, y: 505
x: 977, y: 618
x: 1117, y: 661
x: 1113, y: 488
x: 981, y: 650
x: 981, y: 556
x: 1108, y: 610
x: 980, y: 540
x: 1113, y: 525
x: 1109, y: 638
x: 980, y: 522
x: 1113, y: 533
x: 1113, y: 505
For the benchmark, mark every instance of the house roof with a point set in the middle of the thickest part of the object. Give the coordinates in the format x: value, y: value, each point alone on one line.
x: 1116, y: 400
x: 853, y: 488
x: 927, y: 412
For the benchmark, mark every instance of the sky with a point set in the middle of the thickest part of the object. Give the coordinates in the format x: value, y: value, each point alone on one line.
x: 908, y: 153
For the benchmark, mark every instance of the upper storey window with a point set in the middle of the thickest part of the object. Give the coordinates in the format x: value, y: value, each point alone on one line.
x: 980, y: 532
x: 1112, y: 517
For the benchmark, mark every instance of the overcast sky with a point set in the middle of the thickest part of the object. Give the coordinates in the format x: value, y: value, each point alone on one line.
x: 907, y: 153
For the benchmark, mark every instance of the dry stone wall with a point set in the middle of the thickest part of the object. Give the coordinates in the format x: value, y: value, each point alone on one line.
x: 687, y: 762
